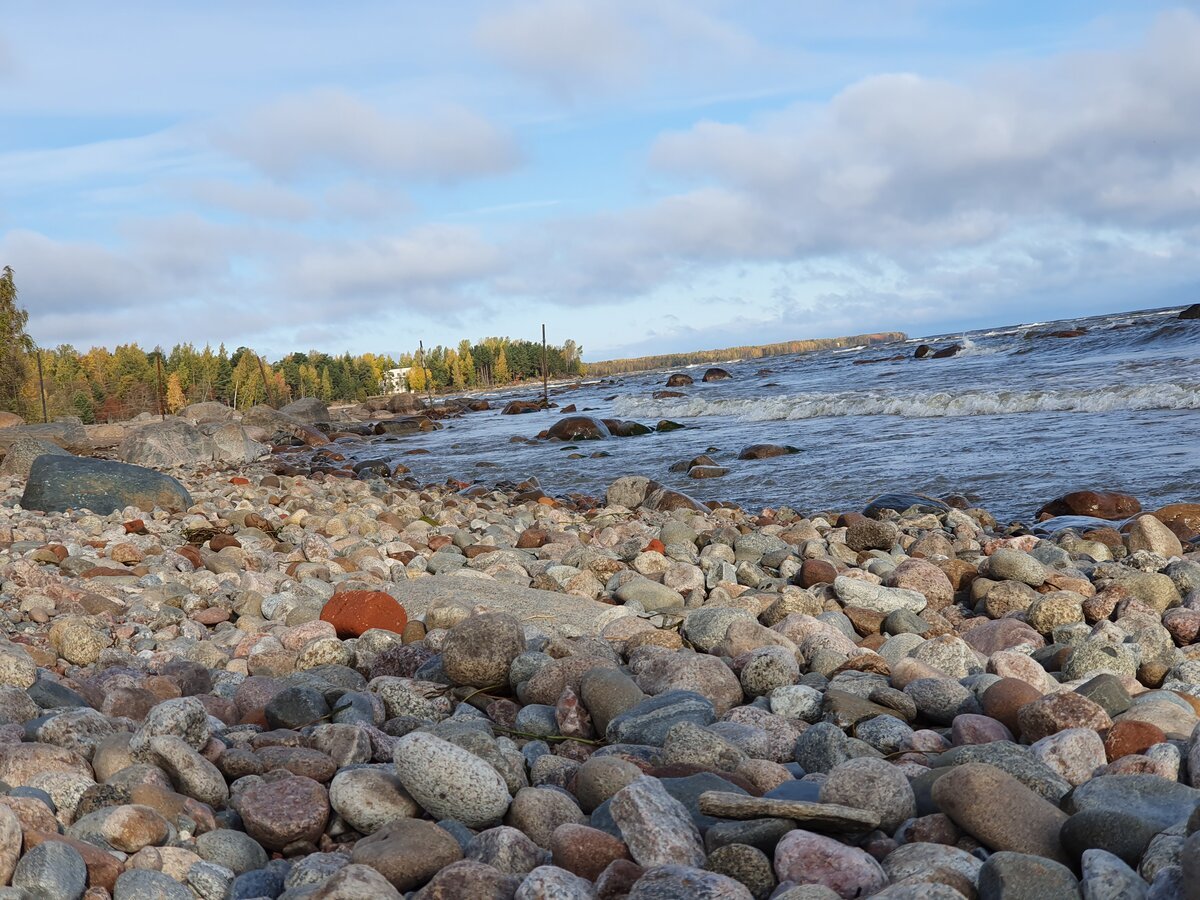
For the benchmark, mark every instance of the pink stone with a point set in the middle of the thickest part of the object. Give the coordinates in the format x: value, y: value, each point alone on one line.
x: 1076, y: 754
x: 573, y: 719
x: 806, y: 858
x: 975, y: 729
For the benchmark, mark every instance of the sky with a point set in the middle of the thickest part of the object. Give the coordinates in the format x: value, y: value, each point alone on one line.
x: 642, y: 176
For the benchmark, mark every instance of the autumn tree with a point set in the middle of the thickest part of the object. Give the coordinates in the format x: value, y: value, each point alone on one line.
x: 176, y: 399
x: 500, y: 370
x: 15, y: 344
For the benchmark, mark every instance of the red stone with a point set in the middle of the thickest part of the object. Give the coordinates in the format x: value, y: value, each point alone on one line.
x: 656, y: 546
x: 816, y: 571
x: 192, y: 555
x: 1004, y: 700
x: 221, y: 541
x: 1098, y: 504
x: 135, y: 526
x: 238, y: 479
x: 1130, y: 737
x: 353, y: 612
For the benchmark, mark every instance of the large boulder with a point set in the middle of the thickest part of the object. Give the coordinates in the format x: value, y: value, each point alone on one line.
x: 662, y: 499
x: 578, y: 428
x: 716, y: 374
x: 309, y: 410
x: 166, y: 444
x: 231, y: 444
x: 67, y: 433
x: 20, y: 456
x: 679, y: 379
x: 278, y: 425
x: 1192, y: 312
x: 59, y: 483
x: 208, y: 412
x: 1097, y: 504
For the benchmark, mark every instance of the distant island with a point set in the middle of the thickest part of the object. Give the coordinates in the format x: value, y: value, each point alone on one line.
x: 761, y: 351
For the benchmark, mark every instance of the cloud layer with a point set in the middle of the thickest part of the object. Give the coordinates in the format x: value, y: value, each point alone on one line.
x: 588, y: 161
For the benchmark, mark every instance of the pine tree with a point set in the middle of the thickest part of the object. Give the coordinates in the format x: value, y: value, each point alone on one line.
x: 176, y: 399
x: 15, y: 344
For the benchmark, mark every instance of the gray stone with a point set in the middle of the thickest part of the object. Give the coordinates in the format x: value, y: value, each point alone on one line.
x: 147, y: 884
x: 22, y: 453
x: 1119, y: 833
x: 553, y: 883
x: 671, y: 882
x: 210, y: 881
x: 650, y: 721
x: 1020, y: 876
x: 235, y: 850
x: 53, y: 870
x: 871, y: 784
x: 607, y: 693
x: 450, y: 782
x: 59, y: 483
x: 821, y: 748
x: 876, y: 597
x: 1106, y: 877
x: 1013, y: 565
x: 652, y: 596
x: 940, y: 699
x: 657, y: 828
x: 1149, y: 797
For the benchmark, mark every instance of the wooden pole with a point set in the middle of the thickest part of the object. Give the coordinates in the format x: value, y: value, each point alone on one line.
x: 158, y: 385
x: 545, y: 381
x: 42, y: 385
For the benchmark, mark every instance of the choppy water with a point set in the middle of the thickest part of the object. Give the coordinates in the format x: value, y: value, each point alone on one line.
x: 1016, y: 419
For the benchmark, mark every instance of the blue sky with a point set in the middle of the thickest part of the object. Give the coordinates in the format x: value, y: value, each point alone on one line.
x: 641, y: 175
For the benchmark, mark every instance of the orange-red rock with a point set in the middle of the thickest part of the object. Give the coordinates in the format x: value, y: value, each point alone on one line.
x: 1004, y: 699
x: 353, y: 612
x: 1181, y: 518
x: 1130, y: 737
x: 1099, y: 504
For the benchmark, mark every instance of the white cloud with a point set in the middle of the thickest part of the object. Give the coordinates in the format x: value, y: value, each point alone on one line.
x: 335, y: 130
x: 258, y: 200
x: 564, y: 44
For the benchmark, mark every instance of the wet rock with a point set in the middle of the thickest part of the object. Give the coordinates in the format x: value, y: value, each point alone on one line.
x: 1097, y: 504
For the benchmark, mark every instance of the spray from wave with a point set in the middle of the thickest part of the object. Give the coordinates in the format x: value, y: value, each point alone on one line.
x: 920, y: 405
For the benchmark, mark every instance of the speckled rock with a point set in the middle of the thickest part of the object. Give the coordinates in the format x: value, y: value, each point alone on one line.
x: 449, y: 782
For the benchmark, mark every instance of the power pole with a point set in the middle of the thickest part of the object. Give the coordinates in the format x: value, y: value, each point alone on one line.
x: 42, y: 385
x: 545, y: 381
x: 158, y: 384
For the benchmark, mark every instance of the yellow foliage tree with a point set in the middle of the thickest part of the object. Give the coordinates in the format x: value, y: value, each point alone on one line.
x: 176, y: 399
x: 500, y: 373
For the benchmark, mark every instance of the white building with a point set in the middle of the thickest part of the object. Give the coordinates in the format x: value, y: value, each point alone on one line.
x: 396, y: 380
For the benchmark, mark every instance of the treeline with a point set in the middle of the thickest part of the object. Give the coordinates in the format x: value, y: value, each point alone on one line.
x: 783, y: 348
x: 103, y: 385
x: 491, y: 362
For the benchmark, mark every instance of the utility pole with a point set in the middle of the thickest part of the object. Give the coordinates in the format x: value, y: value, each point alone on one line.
x: 42, y: 385
x: 545, y: 381
x: 158, y: 384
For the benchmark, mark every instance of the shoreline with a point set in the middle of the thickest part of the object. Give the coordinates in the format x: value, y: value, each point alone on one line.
x: 204, y: 699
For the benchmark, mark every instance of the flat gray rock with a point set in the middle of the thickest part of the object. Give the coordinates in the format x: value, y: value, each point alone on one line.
x: 830, y: 817
x: 59, y: 483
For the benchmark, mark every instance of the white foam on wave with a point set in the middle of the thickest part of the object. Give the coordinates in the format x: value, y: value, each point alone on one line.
x: 920, y: 405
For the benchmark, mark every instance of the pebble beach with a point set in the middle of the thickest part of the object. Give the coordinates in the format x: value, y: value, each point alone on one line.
x: 279, y: 677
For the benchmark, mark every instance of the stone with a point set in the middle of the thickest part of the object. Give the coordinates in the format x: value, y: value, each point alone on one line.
x: 279, y: 813
x: 1155, y: 800
x: 822, y: 816
x: 53, y: 870
x: 607, y: 693
x: 1075, y: 753
x: 353, y: 612
x: 747, y: 865
x: 1097, y: 504
x: 999, y: 811
x: 369, y: 798
x: 650, y: 721
x: 874, y: 785
x: 355, y: 882
x: 59, y: 483
x: 1020, y: 876
x: 21, y: 454
x: 656, y: 827
x: 578, y: 428
x: 585, y: 851
x: 806, y: 858
x: 1057, y: 712
x: 673, y: 881
x: 1013, y: 565
x: 875, y: 597
x: 538, y: 811
x: 1119, y: 833
x: 10, y: 843
x: 903, y: 502
x: 407, y: 852
x: 479, y: 650
x: 146, y: 884
x: 1150, y: 534
x: 449, y: 782
x: 1106, y: 877
x: 232, y: 849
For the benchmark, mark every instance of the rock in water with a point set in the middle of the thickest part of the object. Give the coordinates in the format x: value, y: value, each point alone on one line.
x: 59, y: 483
x: 716, y: 374
x: 579, y: 428
x: 679, y: 380
x: 1192, y: 312
x: 901, y: 502
x: 1097, y: 504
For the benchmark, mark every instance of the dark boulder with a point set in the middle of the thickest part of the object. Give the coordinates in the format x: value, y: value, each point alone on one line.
x: 1108, y: 505
x: 59, y: 483
x: 666, y: 425
x: 621, y: 428
x: 578, y: 428
x: 947, y: 352
x: 517, y: 407
x: 307, y: 409
x: 922, y: 351
x: 766, y: 451
x: 901, y: 502
x: 1192, y: 312
x: 716, y: 374
x: 663, y: 499
x: 666, y: 395
x: 679, y: 380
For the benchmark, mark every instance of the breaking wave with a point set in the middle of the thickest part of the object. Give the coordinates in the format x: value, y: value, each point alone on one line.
x: 920, y: 405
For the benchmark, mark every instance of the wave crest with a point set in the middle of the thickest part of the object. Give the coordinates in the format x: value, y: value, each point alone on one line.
x: 919, y: 405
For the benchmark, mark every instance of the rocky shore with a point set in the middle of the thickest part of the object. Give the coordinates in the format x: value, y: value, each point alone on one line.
x: 255, y: 677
